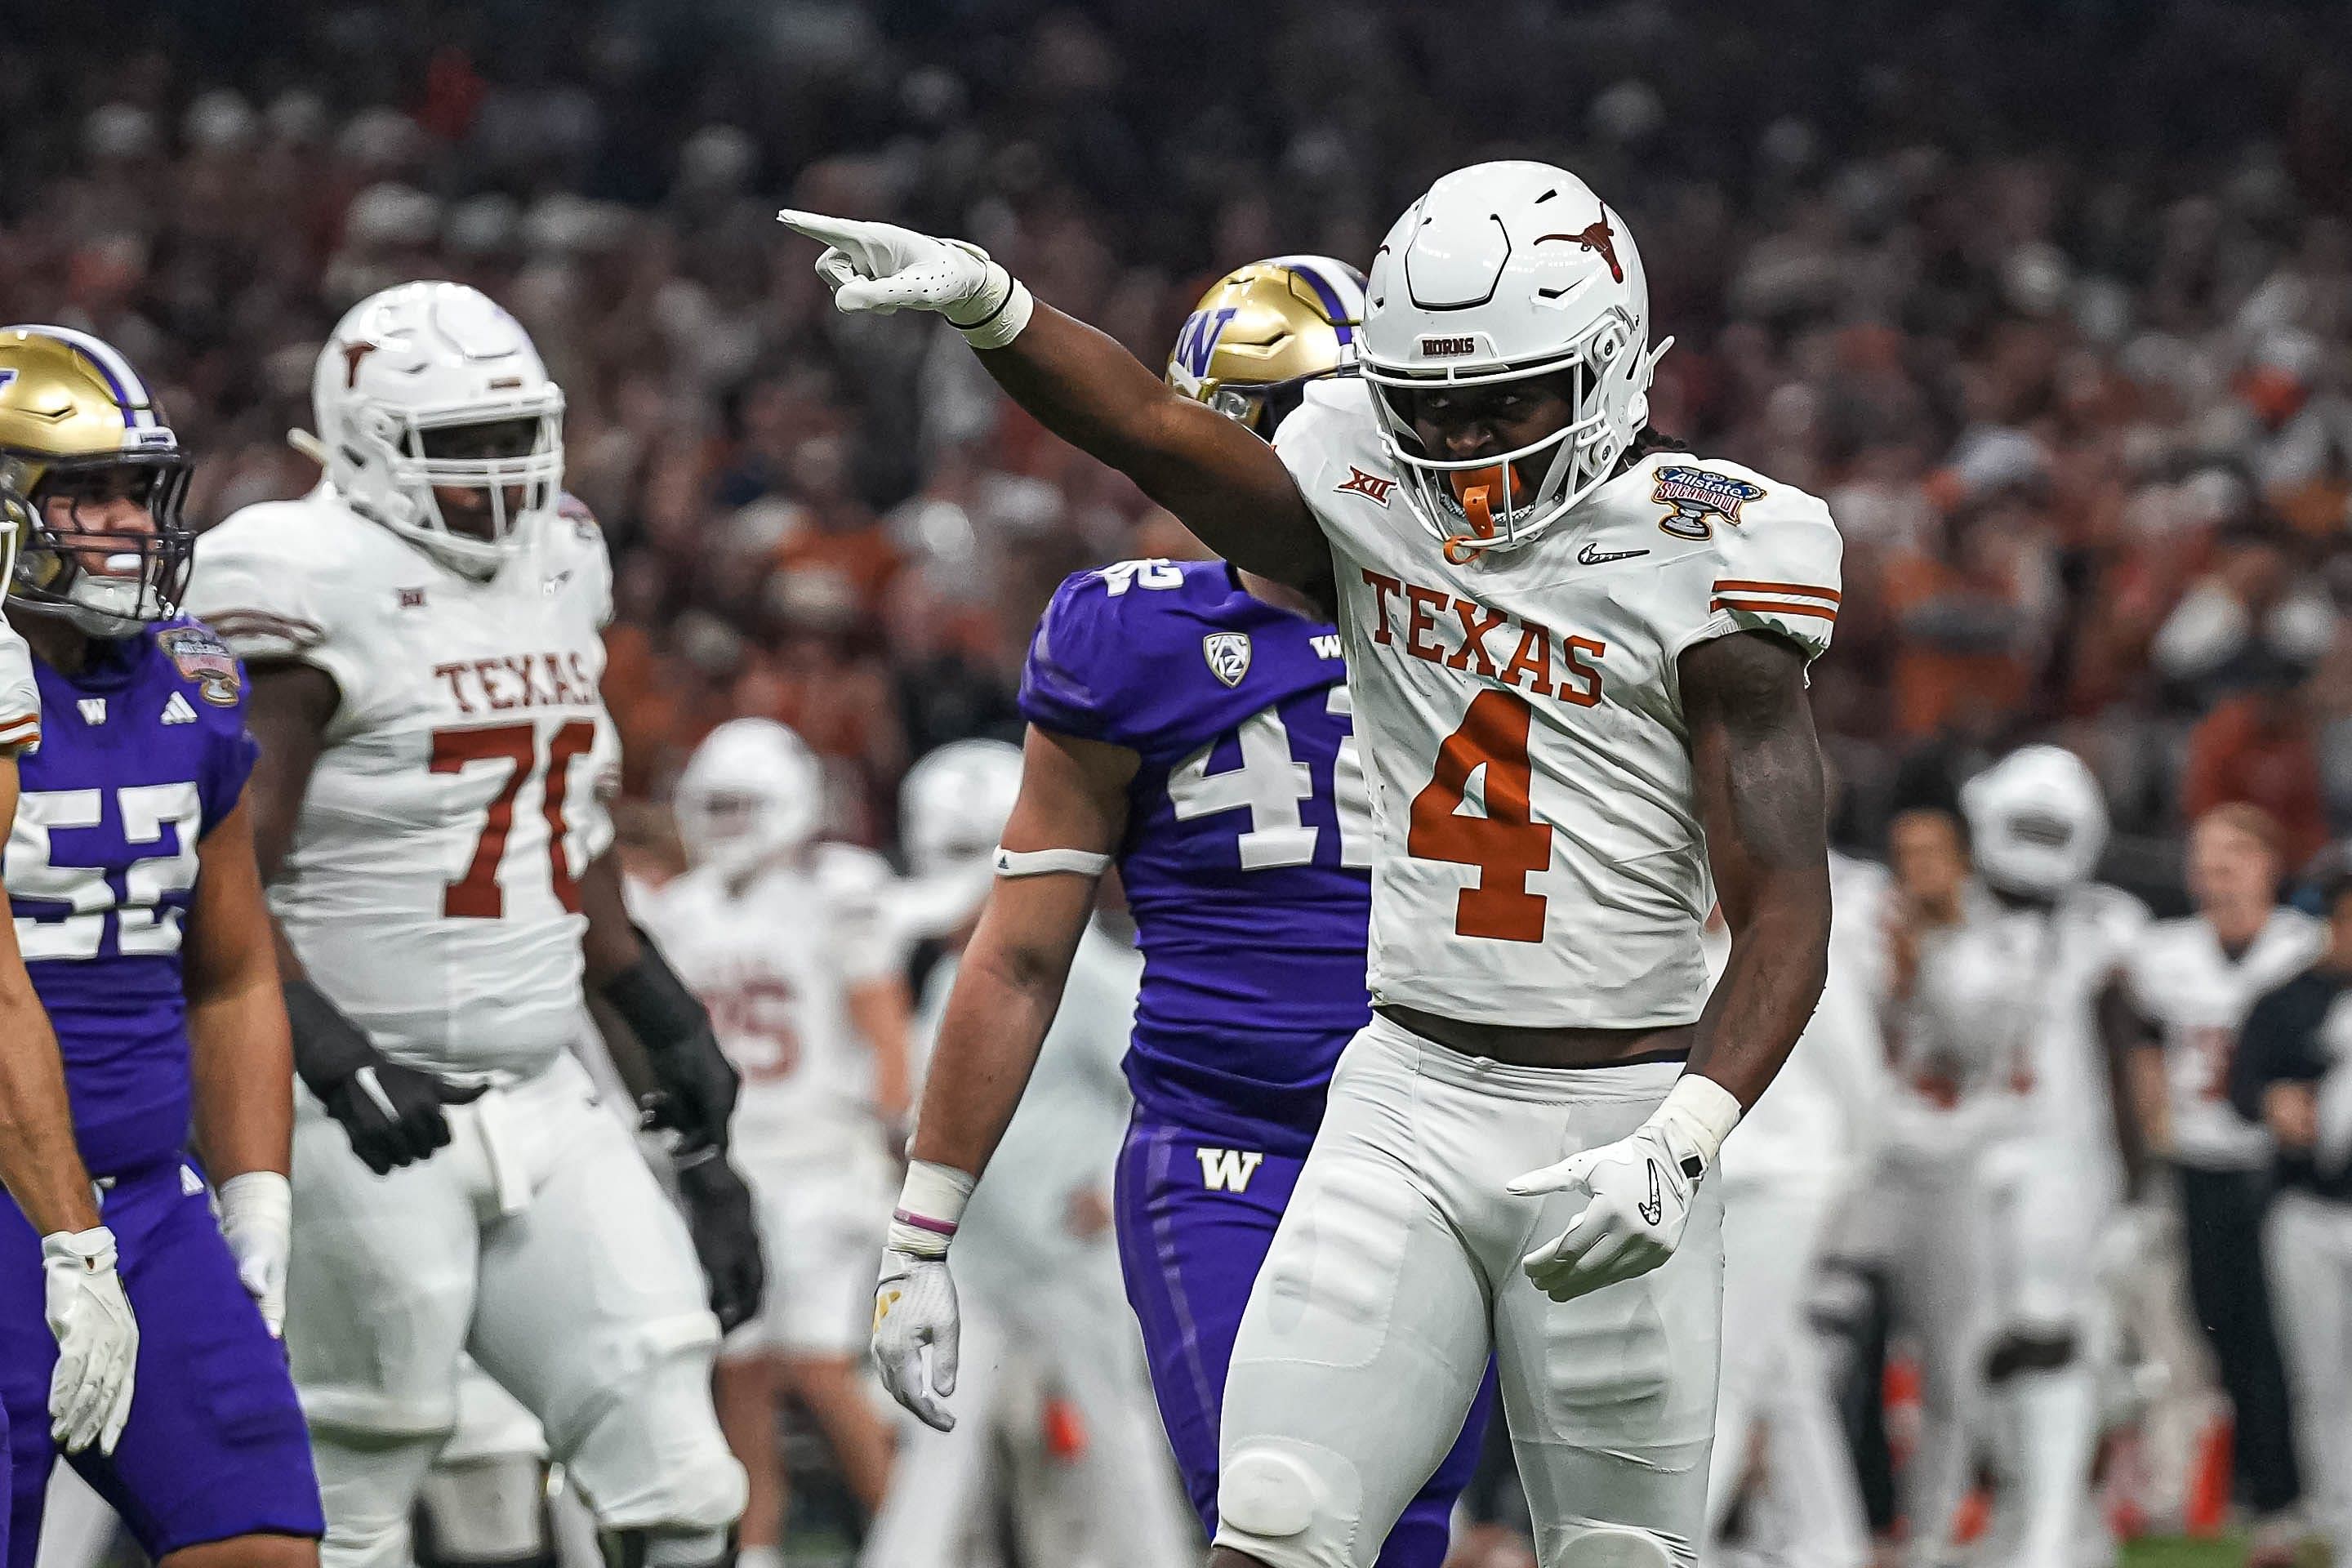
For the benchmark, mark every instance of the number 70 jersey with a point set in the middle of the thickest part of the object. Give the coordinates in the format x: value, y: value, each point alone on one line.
x: 430, y: 888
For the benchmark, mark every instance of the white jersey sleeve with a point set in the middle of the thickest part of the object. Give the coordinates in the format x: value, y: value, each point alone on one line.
x: 20, y: 696
x: 862, y: 935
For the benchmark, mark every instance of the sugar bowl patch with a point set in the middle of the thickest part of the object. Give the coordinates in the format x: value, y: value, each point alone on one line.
x: 204, y: 658
x: 1700, y: 499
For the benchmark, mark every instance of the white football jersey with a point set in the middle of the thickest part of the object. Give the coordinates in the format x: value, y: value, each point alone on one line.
x: 775, y: 962
x: 1541, y: 861
x: 430, y: 887
x: 20, y: 696
x: 2012, y: 994
x: 2196, y: 994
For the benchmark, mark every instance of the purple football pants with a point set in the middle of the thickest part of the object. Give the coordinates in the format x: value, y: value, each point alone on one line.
x: 216, y: 1446
x: 1196, y: 1218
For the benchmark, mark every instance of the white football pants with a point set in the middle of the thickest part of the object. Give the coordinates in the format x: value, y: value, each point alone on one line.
x: 538, y: 1242
x: 1056, y: 1440
x: 1396, y: 1271
x: 1774, y: 1380
x: 2308, y: 1247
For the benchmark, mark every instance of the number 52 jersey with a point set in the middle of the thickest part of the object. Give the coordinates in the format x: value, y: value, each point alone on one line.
x: 430, y: 889
x: 1541, y: 858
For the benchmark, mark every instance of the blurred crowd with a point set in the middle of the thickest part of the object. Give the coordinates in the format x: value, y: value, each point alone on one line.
x: 2053, y: 303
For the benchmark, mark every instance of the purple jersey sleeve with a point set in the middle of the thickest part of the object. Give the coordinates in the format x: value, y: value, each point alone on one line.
x: 1075, y: 681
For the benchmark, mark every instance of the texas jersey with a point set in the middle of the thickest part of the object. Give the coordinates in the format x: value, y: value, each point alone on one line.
x: 2197, y: 993
x: 1247, y: 844
x: 774, y: 961
x: 429, y: 888
x: 143, y: 751
x: 1541, y: 858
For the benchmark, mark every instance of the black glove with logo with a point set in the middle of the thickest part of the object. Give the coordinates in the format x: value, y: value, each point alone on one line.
x: 720, y: 1212
x: 392, y: 1113
x: 697, y: 1083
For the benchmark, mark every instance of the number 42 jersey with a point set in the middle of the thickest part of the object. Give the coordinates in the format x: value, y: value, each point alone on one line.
x: 1247, y: 844
x: 429, y: 889
x: 1542, y: 862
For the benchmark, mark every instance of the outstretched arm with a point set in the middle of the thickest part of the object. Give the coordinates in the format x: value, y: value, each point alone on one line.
x: 1224, y: 483
x: 1758, y: 769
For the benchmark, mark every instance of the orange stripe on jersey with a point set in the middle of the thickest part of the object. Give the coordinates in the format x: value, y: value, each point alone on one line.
x: 1775, y: 607
x: 1741, y: 584
x: 25, y: 730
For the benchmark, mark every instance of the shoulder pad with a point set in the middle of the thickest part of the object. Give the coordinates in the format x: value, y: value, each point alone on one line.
x: 1089, y: 645
x: 1778, y: 555
x: 260, y: 578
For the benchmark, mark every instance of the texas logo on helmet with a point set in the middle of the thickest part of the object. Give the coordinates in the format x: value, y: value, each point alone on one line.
x: 1597, y: 236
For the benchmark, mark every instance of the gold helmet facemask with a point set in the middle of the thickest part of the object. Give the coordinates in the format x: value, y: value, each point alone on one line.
x: 1256, y: 339
x: 79, y: 430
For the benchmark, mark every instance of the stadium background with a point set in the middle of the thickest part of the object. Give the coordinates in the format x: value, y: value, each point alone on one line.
x: 2053, y: 301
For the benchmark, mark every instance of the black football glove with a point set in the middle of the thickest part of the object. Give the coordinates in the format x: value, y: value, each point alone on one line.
x: 697, y: 1084
x: 392, y: 1113
x: 726, y: 1229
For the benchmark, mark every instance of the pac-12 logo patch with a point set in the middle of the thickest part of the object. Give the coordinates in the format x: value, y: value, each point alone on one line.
x: 204, y: 658
x: 1700, y: 500
x: 1228, y: 654
x: 1360, y: 483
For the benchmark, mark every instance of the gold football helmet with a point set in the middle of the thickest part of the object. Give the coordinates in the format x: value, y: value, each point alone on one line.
x: 80, y: 432
x: 1255, y: 340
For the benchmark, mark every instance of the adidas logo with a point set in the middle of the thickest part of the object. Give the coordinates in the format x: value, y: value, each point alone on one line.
x: 177, y: 712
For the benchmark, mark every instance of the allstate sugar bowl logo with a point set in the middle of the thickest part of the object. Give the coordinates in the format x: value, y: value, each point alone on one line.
x: 1700, y: 500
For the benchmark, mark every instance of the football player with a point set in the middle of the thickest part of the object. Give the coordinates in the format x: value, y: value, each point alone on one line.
x: 142, y: 921
x: 2027, y: 991
x: 1577, y: 658
x: 1194, y: 720
x: 1059, y: 1449
x: 787, y: 941
x: 423, y: 633
x: 2190, y: 982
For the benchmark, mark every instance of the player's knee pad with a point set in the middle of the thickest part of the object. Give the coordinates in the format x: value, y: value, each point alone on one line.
x: 1287, y: 1502
x: 368, y: 1488
x: 1616, y: 1548
x: 655, y: 1460
x: 489, y: 1511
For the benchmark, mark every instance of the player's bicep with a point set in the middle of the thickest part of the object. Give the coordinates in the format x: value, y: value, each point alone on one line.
x: 229, y: 939
x: 1073, y: 795
x: 1234, y: 490
x: 1756, y: 767
x: 287, y: 708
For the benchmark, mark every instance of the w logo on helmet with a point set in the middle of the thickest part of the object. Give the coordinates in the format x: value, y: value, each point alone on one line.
x: 1198, y: 339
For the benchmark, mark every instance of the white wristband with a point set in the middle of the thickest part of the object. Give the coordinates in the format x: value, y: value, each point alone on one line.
x: 931, y: 1204
x: 996, y: 314
x: 1700, y: 1114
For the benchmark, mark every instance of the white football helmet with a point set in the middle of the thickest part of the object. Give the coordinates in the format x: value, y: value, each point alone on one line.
x: 2037, y: 822
x: 1506, y: 272
x: 951, y: 809
x: 406, y: 369
x: 753, y: 793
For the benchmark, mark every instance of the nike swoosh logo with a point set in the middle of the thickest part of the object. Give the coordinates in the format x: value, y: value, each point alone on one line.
x: 1653, y: 1210
x: 1588, y: 556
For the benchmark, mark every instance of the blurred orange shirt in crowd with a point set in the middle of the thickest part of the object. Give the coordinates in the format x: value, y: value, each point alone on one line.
x: 2259, y: 750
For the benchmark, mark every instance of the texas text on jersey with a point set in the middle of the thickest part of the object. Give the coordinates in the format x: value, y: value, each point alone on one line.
x: 429, y: 886
x: 1248, y: 837
x: 1530, y: 764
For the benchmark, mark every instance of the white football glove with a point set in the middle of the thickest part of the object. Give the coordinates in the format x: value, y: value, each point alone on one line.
x: 1641, y: 1188
x: 914, y: 1306
x: 98, y: 1339
x: 881, y: 267
x: 257, y: 1218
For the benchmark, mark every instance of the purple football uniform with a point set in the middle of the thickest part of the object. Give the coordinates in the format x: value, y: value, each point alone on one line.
x: 1247, y: 861
x: 143, y: 752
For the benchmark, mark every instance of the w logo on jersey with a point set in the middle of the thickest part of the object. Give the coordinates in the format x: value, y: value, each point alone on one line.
x: 1197, y: 340
x: 1228, y: 1169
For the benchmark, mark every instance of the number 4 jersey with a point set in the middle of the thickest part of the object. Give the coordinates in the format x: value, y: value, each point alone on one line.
x: 429, y: 888
x: 1541, y: 860
x: 1247, y: 839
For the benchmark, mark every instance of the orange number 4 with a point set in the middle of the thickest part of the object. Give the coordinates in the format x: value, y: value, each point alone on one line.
x: 1507, y: 843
